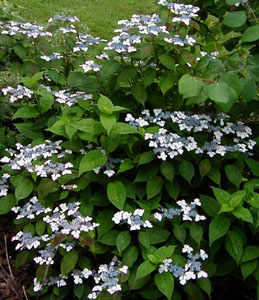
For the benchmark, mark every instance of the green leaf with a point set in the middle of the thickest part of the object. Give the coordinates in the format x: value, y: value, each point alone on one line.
x: 248, y: 268
x: 167, y: 61
x: 167, y: 170
x: 40, y: 227
x: 250, y: 253
x: 218, y: 227
x: 149, y: 77
x: 204, y: 167
x: 126, y: 165
x: 233, y: 174
x: 127, y: 73
x: 154, y: 186
x: 167, y: 81
x: 187, y: 171
x: 109, y: 238
x: 139, y: 92
x: 196, y: 232
x: 164, y: 252
x: 28, y: 130
x: 215, y: 175
x: 165, y: 284
x: 109, y: 68
x: 105, y: 105
x: 46, y: 101
x: 190, y: 86
x: 123, y: 241
x: 210, y: 205
x: 69, y: 261
x: 221, y: 93
x: 89, y: 126
x: 24, y: 189
x: 76, y: 79
x: 251, y: 34
x: 180, y: 233
x: 116, y: 193
x: 145, y: 269
x: 47, y: 186
x: 205, y: 285
x: 20, y: 51
x: 145, y: 157
x: 253, y: 165
x: 221, y: 195
x: 79, y: 290
x: 7, y: 203
x: 130, y: 255
x: 91, y: 160
x: 144, y: 239
x: 235, y: 19
x: 158, y: 236
x: 104, y: 218
x: 123, y: 128
x: 108, y: 121
x: 145, y: 174
x: 70, y: 131
x: 234, y: 245
x: 243, y: 214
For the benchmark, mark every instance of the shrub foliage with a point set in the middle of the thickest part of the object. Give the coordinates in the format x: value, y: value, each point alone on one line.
x: 130, y: 166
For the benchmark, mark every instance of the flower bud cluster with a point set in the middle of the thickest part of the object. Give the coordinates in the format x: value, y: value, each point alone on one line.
x: 3, y: 185
x: 187, y: 211
x: 64, y: 97
x: 165, y: 143
x: 71, y: 19
x: 59, y: 281
x: 86, y: 40
x: 192, y: 268
x: 28, y: 29
x: 79, y: 275
x: 106, y: 278
x: 27, y: 155
x: 17, y: 93
x: 132, y: 219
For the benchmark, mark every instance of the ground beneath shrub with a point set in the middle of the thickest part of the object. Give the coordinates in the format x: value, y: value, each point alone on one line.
x: 12, y: 279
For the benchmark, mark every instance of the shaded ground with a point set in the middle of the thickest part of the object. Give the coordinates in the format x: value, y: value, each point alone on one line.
x: 12, y: 279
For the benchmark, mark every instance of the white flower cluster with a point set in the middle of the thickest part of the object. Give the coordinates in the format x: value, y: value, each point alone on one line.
x: 31, y: 209
x: 28, y: 29
x: 192, y: 268
x: 132, y: 219
x: 53, y: 56
x: 60, y: 224
x: 79, y: 275
x: 187, y: 211
x: 64, y: 220
x: 86, y: 40
x: 71, y: 19
x: 109, y: 166
x: 3, y: 185
x: 165, y: 143
x: 241, y: 2
x: 64, y: 97
x: 90, y: 65
x: 59, y: 281
x: 176, y: 40
x: 28, y: 154
x: 185, y: 12
x: 106, y: 278
x: 68, y: 29
x: 17, y: 93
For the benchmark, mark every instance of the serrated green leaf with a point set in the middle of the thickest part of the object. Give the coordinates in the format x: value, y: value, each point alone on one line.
x: 7, y: 203
x: 123, y: 240
x: 179, y: 233
x: 190, y: 86
x: 130, y: 255
x: 187, y: 171
x: 154, y: 186
x: 105, y: 105
x: 167, y: 170
x: 108, y: 121
x: 251, y: 34
x: 116, y: 193
x: 89, y: 126
x: 123, y: 128
x: 145, y: 269
x: 24, y: 189
x: 104, y: 218
x: 167, y: 61
x: 69, y: 261
x: 234, y: 245
x: 221, y: 93
x: 204, y: 167
x: 139, y: 92
x: 243, y: 214
x: 233, y: 174
x: 248, y: 268
x: 218, y: 227
x: 167, y: 81
x: 109, y: 68
x: 165, y: 284
x: 221, y: 195
x: 250, y: 253
x: 91, y: 160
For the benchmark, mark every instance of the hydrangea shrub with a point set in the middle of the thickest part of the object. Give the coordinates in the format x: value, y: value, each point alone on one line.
x: 130, y: 166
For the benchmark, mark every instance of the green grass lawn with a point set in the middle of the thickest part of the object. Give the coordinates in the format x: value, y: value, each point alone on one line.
x: 100, y: 16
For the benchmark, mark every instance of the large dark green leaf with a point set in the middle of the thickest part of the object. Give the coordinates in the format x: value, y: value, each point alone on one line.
x: 116, y: 193
x: 91, y: 160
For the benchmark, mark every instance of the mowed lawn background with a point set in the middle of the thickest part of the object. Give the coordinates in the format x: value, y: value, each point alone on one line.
x: 100, y: 16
